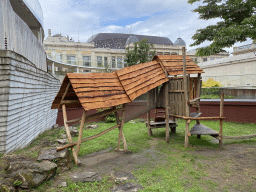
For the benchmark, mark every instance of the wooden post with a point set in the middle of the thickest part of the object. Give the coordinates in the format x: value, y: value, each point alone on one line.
x: 63, y: 96
x: 121, y: 134
x: 80, y: 132
x: 221, y: 120
x: 148, y: 117
x: 198, y: 91
x: 186, y: 97
x: 68, y: 132
x: 167, y: 112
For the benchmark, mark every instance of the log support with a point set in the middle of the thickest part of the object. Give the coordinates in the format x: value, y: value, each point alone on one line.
x: 167, y: 134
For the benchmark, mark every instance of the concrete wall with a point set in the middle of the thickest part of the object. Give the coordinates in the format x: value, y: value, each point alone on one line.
x: 19, y: 36
x: 233, y: 71
x: 26, y: 95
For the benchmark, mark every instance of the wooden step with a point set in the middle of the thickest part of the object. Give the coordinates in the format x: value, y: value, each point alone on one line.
x: 161, y: 124
x: 199, y: 129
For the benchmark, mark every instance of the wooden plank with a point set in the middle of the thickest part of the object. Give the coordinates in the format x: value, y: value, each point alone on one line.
x: 95, y: 81
x: 221, y: 115
x: 68, y: 133
x: 119, y: 88
x: 148, y: 117
x: 88, y: 138
x: 139, y: 73
x: 74, y: 120
x: 70, y: 101
x: 140, y: 82
x: 146, y: 89
x: 63, y: 96
x: 80, y: 132
x: 95, y: 85
x: 99, y: 94
x: 203, y: 118
x: 167, y: 112
x: 102, y: 99
x: 91, y: 75
x: 198, y: 92
x: 133, y: 68
x: 102, y: 113
x: 134, y: 80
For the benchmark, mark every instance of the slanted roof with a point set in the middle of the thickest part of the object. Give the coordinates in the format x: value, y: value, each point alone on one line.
x: 141, y: 78
x: 103, y: 90
x: 174, y: 64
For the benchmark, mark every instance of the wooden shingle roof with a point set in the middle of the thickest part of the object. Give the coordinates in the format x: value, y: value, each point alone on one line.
x: 103, y: 90
x: 141, y: 78
x: 174, y: 64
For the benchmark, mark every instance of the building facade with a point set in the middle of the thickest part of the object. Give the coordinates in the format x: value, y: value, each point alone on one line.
x: 103, y: 50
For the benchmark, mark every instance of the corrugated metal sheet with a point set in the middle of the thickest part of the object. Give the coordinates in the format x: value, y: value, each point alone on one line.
x: 174, y: 64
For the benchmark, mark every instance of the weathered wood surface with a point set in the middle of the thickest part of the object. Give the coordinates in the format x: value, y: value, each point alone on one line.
x: 139, y: 79
x: 199, y: 129
x: 162, y: 124
x: 174, y: 64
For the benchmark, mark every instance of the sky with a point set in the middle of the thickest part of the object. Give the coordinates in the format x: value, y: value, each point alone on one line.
x: 80, y: 19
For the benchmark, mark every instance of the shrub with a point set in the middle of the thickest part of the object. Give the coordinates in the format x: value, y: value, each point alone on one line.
x: 211, y: 91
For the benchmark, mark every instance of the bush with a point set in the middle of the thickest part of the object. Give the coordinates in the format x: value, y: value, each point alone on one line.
x: 211, y: 91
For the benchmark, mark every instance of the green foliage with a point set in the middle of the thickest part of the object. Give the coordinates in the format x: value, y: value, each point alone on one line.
x: 140, y: 53
x: 17, y: 183
x: 214, y: 92
x: 238, y: 22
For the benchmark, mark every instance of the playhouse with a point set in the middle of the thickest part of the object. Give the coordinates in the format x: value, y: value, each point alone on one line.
x: 112, y: 91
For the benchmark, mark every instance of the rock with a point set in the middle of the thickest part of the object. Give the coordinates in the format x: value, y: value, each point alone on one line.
x: 130, y: 187
x: 62, y: 158
x: 62, y: 184
x: 63, y: 136
x: 85, y: 177
x: 92, y: 126
x: 73, y: 131
x: 55, y: 126
x: 119, y: 176
x: 62, y: 141
x: 132, y: 121
x: 28, y: 174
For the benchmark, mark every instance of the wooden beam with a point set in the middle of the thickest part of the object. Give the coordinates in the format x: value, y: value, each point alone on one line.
x: 88, y: 138
x: 80, y: 132
x: 102, y: 113
x: 167, y: 134
x: 221, y: 120
x: 74, y: 120
x: 202, y: 118
x: 198, y: 92
x: 185, y: 96
x: 63, y: 96
x: 148, y: 117
x: 69, y: 101
x: 68, y: 133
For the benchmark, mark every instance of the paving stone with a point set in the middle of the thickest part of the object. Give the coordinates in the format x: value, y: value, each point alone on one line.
x: 85, y: 177
x: 119, y: 176
x: 92, y: 126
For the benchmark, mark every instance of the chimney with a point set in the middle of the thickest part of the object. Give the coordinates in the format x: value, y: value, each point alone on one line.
x: 49, y: 33
x: 68, y: 37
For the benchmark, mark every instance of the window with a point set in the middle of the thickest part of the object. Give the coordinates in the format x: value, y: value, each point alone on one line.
x: 195, y: 59
x: 71, y: 60
x: 87, y: 61
x: 49, y: 67
x: 174, y: 53
x: 113, y: 62
x: 159, y: 53
x: 119, y: 62
x: 204, y: 59
x: 58, y: 57
x: 106, y: 62
x: 166, y: 53
x: 99, y: 61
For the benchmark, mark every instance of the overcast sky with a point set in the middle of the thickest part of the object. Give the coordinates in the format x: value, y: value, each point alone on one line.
x: 168, y: 18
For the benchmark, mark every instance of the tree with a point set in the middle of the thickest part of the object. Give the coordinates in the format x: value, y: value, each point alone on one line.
x: 238, y: 22
x: 140, y: 52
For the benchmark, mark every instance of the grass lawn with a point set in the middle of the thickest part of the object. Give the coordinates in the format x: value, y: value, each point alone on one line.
x: 173, y: 167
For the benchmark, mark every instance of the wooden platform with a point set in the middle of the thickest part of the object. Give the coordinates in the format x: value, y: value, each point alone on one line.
x: 199, y: 129
x: 161, y: 124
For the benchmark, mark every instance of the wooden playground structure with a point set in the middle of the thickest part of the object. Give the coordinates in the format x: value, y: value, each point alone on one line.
x: 112, y: 91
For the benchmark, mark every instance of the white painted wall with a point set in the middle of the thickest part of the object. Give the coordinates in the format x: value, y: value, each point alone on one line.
x: 26, y: 95
x: 19, y: 36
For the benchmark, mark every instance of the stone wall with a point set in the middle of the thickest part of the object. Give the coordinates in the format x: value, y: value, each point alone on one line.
x: 26, y: 95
